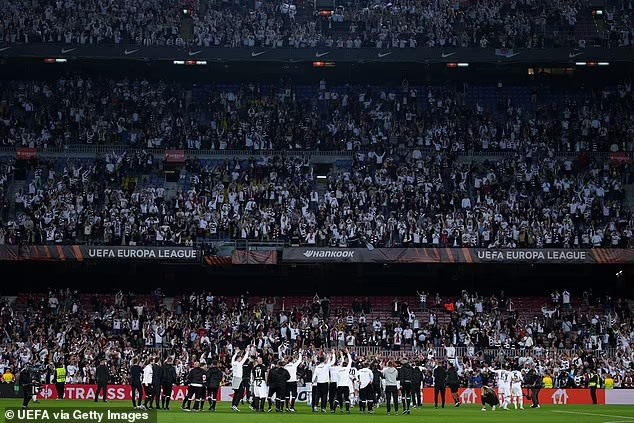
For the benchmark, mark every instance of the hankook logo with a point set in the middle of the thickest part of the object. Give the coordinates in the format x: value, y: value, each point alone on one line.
x: 328, y: 254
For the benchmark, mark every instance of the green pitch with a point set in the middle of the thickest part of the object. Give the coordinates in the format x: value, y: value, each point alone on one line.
x: 427, y: 414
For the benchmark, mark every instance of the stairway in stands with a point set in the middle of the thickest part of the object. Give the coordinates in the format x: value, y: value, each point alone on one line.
x: 629, y: 195
x: 15, y: 185
x: 187, y: 27
x: 168, y: 302
x: 171, y: 191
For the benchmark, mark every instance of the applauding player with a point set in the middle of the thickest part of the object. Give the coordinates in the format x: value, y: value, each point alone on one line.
x: 516, y: 389
x: 260, y: 390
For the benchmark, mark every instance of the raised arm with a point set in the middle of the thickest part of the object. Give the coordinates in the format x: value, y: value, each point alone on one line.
x: 299, y: 359
x: 245, y: 358
x: 333, y: 359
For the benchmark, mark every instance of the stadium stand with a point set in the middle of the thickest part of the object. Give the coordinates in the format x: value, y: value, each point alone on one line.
x: 281, y: 24
x: 149, y: 125
x: 544, y: 331
x: 381, y: 199
x: 285, y: 116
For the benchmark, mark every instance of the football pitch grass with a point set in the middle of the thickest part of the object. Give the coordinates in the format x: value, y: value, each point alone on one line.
x: 465, y: 413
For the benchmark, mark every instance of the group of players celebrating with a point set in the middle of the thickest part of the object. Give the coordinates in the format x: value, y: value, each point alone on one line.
x: 509, y: 384
x: 334, y: 381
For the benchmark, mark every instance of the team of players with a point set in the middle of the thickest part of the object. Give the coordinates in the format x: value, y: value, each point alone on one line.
x: 509, y: 384
x: 333, y: 379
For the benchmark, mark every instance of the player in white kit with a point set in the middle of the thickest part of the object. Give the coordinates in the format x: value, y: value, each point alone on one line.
x: 503, y: 378
x: 260, y: 390
x: 516, y: 389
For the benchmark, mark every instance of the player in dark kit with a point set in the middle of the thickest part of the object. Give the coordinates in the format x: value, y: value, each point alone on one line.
x: 534, y: 382
x: 245, y: 387
x: 277, y: 386
x: 405, y: 373
x: 26, y: 382
x: 195, y: 381
x: 453, y: 381
x: 36, y: 377
x: 259, y: 385
x: 417, y: 381
x: 376, y: 383
x: 168, y: 379
x: 102, y: 374
x: 214, y: 379
x: 203, y: 389
x: 136, y: 373
x: 488, y: 396
x: 156, y: 383
x: 440, y: 385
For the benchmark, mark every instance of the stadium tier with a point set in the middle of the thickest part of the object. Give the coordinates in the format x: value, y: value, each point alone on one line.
x: 257, y: 116
x: 418, y: 200
x: 563, y: 334
x: 347, y: 24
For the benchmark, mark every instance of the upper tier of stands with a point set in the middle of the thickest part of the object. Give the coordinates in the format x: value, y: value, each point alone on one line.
x: 294, y: 24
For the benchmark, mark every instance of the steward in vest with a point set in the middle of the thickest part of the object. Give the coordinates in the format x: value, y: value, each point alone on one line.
x: 594, y: 382
x: 547, y: 381
x: 60, y: 380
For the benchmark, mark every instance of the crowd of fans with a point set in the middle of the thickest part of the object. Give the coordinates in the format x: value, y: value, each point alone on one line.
x: 281, y: 24
x: 619, y: 26
x: 251, y: 116
x: 407, y: 184
x: 81, y: 330
x: 6, y: 171
x: 433, y: 200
